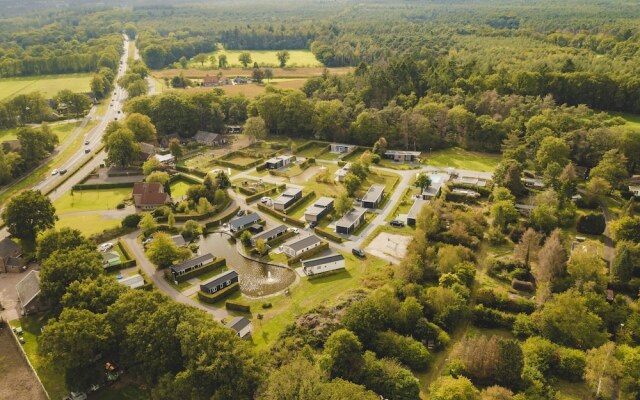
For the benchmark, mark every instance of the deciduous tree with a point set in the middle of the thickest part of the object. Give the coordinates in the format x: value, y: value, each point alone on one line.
x: 28, y: 213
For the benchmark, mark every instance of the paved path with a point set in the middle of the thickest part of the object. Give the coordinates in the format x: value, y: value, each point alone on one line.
x: 609, y: 246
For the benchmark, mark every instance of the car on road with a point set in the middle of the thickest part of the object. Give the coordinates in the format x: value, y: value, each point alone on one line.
x: 104, y: 247
x: 358, y: 253
x: 240, y: 213
x: 63, y: 171
x: 54, y: 172
x: 265, y: 200
x: 119, y: 111
x: 397, y: 224
x: 87, y: 150
x: 86, y: 142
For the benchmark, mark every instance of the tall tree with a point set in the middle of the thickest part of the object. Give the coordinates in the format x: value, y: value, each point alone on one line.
x: 28, y: 213
x: 63, y: 239
x: 255, y: 128
x: 528, y: 247
x: 552, y: 260
x: 283, y: 56
x: 141, y: 126
x: 245, y: 59
x: 122, y: 148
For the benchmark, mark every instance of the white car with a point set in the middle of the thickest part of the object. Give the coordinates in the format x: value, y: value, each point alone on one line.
x: 294, y: 230
x: 265, y: 200
x: 54, y: 172
x: 106, y: 247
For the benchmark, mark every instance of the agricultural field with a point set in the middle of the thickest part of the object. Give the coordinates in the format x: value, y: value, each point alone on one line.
x: 264, y: 58
x: 278, y: 73
x: 48, y: 85
x: 463, y: 159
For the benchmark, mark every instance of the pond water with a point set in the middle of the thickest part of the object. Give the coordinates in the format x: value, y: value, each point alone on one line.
x: 256, y: 279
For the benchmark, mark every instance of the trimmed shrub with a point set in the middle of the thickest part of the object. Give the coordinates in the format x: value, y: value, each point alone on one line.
x: 592, y: 224
x: 131, y: 221
x: 491, y: 318
x: 522, y: 285
x: 281, y: 216
x: 571, y: 364
x: 230, y: 305
x: 334, y: 237
x: 112, y: 185
x: 191, y: 171
x: 502, y: 302
x: 407, y: 350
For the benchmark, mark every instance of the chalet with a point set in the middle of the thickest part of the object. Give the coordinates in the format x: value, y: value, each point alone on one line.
x: 319, y: 209
x: 213, y: 81
x: 401, y: 155
x: 471, y: 180
x: 635, y: 190
x: 235, y: 128
x: 466, y: 192
x: 191, y: 264
x: 11, y: 256
x: 341, y: 148
x: 287, y: 198
x: 110, y: 259
x: 342, y: 172
x: 178, y: 240
x: 149, y: 195
x: 373, y: 197
x: 269, y: 234
x: 299, y: 246
x: 165, y: 158
x: 241, y: 325
x: 240, y: 223
x: 219, y: 282
x: 534, y: 183
x: 133, y: 282
x: 432, y: 191
x: 319, y: 265
x: 350, y: 221
x: 415, y: 210
x: 279, y: 162
x: 209, y: 138
x: 29, y: 293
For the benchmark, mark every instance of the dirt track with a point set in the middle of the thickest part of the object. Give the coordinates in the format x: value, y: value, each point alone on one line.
x: 18, y: 381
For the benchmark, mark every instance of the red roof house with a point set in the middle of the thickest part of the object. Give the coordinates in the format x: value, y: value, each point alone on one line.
x: 149, y: 195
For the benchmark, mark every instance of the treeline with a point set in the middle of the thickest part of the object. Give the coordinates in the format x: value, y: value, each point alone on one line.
x: 266, y: 38
x: 159, y: 51
x: 34, y: 145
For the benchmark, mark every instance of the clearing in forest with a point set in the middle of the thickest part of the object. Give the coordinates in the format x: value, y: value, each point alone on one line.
x: 47, y: 85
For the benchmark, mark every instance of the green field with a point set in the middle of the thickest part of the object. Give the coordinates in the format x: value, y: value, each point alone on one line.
x: 88, y: 224
x: 463, y: 159
x: 48, y: 85
x: 264, y: 58
x: 61, y: 130
x: 91, y: 200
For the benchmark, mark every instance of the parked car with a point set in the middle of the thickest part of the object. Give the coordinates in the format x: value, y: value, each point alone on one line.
x: 294, y: 230
x: 397, y: 223
x: 265, y: 200
x: 54, y: 172
x: 87, y: 150
x: 312, y: 224
x: 63, y: 171
x: 358, y: 253
x: 86, y: 142
x: 104, y: 247
x: 240, y: 213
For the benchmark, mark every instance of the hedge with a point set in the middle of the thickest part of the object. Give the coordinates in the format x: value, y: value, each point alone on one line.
x: 109, y: 234
x: 218, y: 262
x: 334, y: 237
x: 256, y: 196
x: 230, y: 305
x: 261, y: 167
x: 305, y: 164
x: 307, y: 254
x: 191, y: 171
x: 281, y: 216
x: 303, y: 199
x: 124, y: 250
x: 305, y: 146
x: 212, y: 298
x: 222, y: 220
x: 502, y: 302
x: 522, y: 285
x: 592, y: 224
x: 486, y: 317
x: 112, y: 185
x: 280, y: 239
x: 342, y: 163
x: 190, y: 179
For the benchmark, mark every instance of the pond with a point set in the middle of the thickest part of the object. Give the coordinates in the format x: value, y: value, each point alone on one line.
x: 256, y: 279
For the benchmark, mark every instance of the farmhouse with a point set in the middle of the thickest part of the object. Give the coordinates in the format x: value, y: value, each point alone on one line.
x: 279, y: 162
x: 341, y: 148
x: 287, y: 198
x: 149, y: 195
x: 244, y: 222
x: 319, y: 209
x: 165, y: 158
x: 220, y: 282
x: 342, y: 172
x: 350, y: 221
x: 415, y: 210
x: 133, y: 282
x: 241, y: 325
x: 191, y: 264
x: 298, y: 246
x: 373, y: 197
x: 11, y: 256
x: 213, y: 81
x: 319, y: 265
x: 269, y: 234
x: 29, y: 293
x: 209, y: 138
x: 401, y: 156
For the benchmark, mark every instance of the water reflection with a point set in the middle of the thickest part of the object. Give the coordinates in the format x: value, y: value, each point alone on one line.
x: 256, y: 279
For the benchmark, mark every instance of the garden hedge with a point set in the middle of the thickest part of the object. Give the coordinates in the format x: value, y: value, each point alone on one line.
x: 230, y: 305
x: 486, y: 317
x: 334, y: 237
x: 281, y: 216
x: 191, y: 171
x: 592, y: 224
x: 257, y: 196
x: 94, y: 186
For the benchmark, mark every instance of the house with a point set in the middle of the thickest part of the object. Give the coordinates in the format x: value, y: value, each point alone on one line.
x: 534, y: 183
x: 29, y: 293
x: 241, y: 325
x: 350, y: 221
x: 373, y: 197
x: 466, y: 192
x: 432, y: 191
x: 298, y: 246
x: 191, y: 264
x: 342, y: 172
x: 165, y: 158
x: 11, y: 256
x: 319, y: 265
x: 279, y: 161
x: 240, y: 80
x: 133, y: 282
x: 319, y: 209
x: 110, y: 259
x: 209, y: 138
x: 149, y: 195
x: 287, y: 198
x: 635, y: 190
x: 219, y: 282
x: 415, y: 210
x: 341, y: 148
x: 401, y: 155
x: 269, y: 234
x: 213, y: 81
x: 240, y: 223
x: 235, y: 128
x: 178, y: 240
x: 471, y: 181
x: 524, y: 209
x: 147, y: 150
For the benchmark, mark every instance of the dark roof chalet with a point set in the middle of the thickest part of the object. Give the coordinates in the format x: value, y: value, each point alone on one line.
x: 245, y: 220
x: 191, y: 262
x: 304, y: 243
x: 322, y: 260
x: 219, y: 279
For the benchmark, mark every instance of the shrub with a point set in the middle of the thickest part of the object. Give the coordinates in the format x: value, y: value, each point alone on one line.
x: 522, y: 285
x: 571, y: 364
x: 131, y: 221
x: 229, y: 305
x: 491, y: 318
x: 592, y: 224
x: 407, y: 350
x: 120, y: 206
x: 523, y: 326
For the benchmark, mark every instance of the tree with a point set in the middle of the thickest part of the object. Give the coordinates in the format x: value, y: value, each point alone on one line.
x: 213, y: 60
x: 183, y: 62
x: 121, y: 147
x: 423, y: 181
x: 222, y: 182
x: 245, y: 238
x: 450, y: 388
x: 158, y: 176
x: 76, y: 103
x: 245, y: 59
x: 163, y: 252
x: 351, y: 183
x: 201, y: 58
x: 152, y: 164
x: 527, y: 249
x: 597, y: 187
x: 222, y: 61
x: 27, y: 214
x: 568, y: 181
x: 508, y: 174
x: 191, y: 229
x: 603, y: 371
x: 63, y: 267
x: 380, y: 146
x: 36, y: 144
x: 171, y: 220
x: 504, y: 212
x: 141, y: 126
x: 496, y: 393
x: 612, y: 168
x: 257, y: 75
x: 255, y: 128
x: 64, y: 239
x: 94, y: 295
x: 175, y: 148
x: 552, y: 149
x: 268, y: 73
x: 342, y: 204
x: 261, y: 247
x: 343, y: 355
x: 587, y: 267
x: 622, y: 266
x: 552, y: 260
x: 130, y: 30
x: 626, y: 228
x: 283, y: 56
x: 510, y: 363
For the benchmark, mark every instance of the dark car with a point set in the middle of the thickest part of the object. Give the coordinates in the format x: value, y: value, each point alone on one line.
x: 240, y: 213
x: 87, y: 150
x: 313, y: 224
x: 397, y: 223
x: 86, y: 142
x: 63, y: 171
x: 358, y: 252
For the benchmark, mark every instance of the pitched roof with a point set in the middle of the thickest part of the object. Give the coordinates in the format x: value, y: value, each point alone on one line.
x: 191, y: 262
x: 238, y: 323
x: 303, y: 243
x: 134, y: 281
x: 416, y: 208
x: 373, y: 194
x: 178, y: 240
x: 218, y: 279
x: 28, y: 288
x: 402, y: 152
x: 204, y: 136
x: 149, y: 193
x: 322, y: 260
x: 245, y: 220
x: 9, y: 248
x: 352, y: 216
x: 271, y: 232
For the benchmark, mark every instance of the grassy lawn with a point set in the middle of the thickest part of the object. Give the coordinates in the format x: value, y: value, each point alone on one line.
x: 355, y: 156
x: 379, y: 178
x: 179, y: 188
x: 313, y: 151
x: 298, y: 209
x: 90, y: 200
x: 47, y: 85
x: 463, y: 159
x: 633, y: 120
x: 299, y: 58
x: 61, y: 130
x: 572, y: 390
x: 88, y: 224
x: 242, y: 160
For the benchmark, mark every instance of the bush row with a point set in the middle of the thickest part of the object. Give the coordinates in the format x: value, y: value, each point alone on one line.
x: 302, y: 199
x: 280, y: 239
x: 502, y: 302
x: 110, y: 185
x: 308, y: 254
x: 257, y: 196
x: 191, y: 171
x: 306, y: 163
x: 218, y: 262
x: 231, y: 305
x: 486, y: 317
x: 334, y: 237
x: 281, y: 216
